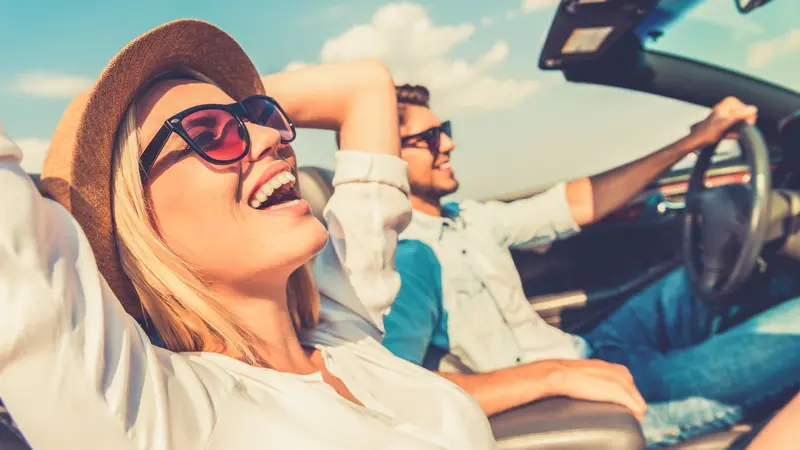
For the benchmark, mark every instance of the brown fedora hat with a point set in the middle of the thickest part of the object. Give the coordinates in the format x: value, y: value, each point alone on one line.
x: 77, y: 168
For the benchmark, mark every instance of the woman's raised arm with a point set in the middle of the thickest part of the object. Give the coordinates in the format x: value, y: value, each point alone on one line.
x: 357, y: 99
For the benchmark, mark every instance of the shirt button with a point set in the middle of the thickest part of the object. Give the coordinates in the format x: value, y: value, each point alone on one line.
x: 463, y: 252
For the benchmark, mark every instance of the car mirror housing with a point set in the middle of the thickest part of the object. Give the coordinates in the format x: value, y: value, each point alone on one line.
x: 747, y: 6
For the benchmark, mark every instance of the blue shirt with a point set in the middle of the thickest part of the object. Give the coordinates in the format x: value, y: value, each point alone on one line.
x: 460, y: 291
x: 416, y: 327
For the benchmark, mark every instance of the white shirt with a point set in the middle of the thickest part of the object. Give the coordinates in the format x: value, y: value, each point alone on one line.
x: 487, y: 321
x: 77, y: 372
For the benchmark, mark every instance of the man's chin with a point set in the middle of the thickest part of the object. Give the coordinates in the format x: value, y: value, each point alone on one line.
x: 450, y: 188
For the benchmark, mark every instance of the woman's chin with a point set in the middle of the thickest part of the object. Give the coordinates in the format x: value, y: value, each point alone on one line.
x: 307, y: 239
x: 280, y: 247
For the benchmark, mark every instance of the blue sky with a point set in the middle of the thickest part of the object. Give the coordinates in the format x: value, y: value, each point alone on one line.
x: 516, y: 127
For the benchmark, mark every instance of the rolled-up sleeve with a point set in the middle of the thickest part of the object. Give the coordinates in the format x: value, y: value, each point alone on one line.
x: 368, y: 210
x: 536, y: 220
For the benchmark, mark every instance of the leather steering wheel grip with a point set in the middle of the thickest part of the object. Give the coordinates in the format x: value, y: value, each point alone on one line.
x: 742, y: 213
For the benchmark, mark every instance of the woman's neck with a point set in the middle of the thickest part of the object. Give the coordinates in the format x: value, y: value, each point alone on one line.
x: 268, y: 318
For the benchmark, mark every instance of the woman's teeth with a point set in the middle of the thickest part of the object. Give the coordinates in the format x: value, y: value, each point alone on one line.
x: 269, y: 188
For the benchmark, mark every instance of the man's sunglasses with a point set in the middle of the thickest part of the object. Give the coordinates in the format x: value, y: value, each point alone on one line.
x: 431, y: 136
x: 217, y: 132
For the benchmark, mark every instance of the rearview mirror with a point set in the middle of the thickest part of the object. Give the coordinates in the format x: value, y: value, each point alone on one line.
x: 745, y: 6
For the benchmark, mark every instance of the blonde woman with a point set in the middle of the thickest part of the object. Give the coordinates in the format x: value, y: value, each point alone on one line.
x: 781, y: 432
x: 175, y: 178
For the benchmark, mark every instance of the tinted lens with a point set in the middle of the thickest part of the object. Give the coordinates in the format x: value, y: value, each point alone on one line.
x: 264, y: 112
x: 446, y: 129
x: 434, y: 140
x: 217, y: 133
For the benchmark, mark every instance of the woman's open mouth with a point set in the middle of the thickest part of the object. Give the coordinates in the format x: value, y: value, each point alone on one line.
x: 277, y: 192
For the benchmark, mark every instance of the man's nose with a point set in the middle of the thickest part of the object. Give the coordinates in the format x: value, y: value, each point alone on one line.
x: 446, y: 144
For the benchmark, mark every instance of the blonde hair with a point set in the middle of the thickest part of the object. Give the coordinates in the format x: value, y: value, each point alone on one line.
x: 173, y: 294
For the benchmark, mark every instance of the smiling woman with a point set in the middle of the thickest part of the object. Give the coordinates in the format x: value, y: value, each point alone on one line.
x: 173, y: 176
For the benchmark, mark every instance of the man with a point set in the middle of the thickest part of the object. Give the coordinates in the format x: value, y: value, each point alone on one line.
x: 461, y: 295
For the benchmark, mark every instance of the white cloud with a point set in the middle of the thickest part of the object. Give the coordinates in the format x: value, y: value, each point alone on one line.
x: 493, y: 94
x: 536, y: 5
x: 401, y: 31
x: 33, y: 152
x: 418, y: 51
x: 487, y: 21
x: 294, y: 65
x: 51, y: 85
x: 497, y: 54
x: 764, y: 53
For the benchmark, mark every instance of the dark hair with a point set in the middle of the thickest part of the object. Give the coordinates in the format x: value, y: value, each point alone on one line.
x: 411, y: 95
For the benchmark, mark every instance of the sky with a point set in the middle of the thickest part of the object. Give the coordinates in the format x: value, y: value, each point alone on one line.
x: 515, y: 127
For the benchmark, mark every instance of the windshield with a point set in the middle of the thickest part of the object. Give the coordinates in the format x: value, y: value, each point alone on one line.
x: 763, y: 44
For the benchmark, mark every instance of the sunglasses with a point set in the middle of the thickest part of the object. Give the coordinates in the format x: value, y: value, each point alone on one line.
x: 217, y: 132
x: 431, y: 136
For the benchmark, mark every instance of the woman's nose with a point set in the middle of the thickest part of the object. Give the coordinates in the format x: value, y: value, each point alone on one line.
x: 264, y: 141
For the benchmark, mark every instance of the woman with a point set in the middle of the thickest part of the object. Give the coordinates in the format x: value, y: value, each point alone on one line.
x: 181, y: 174
x: 780, y: 433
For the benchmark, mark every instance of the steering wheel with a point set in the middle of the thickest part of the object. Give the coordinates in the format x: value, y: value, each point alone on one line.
x: 724, y: 228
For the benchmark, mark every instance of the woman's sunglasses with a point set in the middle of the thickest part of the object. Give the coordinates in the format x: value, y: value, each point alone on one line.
x: 217, y: 132
x: 431, y: 136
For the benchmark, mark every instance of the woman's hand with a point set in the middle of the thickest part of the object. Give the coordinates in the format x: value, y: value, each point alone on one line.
x: 357, y: 99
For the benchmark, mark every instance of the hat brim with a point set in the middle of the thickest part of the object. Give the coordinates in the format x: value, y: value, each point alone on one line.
x: 77, y: 168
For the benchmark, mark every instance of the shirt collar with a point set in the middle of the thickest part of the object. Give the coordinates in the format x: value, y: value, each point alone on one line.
x: 451, y: 217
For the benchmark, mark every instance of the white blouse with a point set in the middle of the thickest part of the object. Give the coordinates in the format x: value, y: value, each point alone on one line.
x: 77, y: 372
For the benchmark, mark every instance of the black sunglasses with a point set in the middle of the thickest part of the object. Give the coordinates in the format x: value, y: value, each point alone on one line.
x: 217, y: 132
x: 431, y: 136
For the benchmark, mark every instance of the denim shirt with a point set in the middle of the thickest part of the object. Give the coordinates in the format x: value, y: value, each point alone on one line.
x: 460, y: 290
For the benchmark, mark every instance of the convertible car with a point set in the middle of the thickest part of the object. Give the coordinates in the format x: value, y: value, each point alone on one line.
x: 735, y: 206
x: 735, y: 210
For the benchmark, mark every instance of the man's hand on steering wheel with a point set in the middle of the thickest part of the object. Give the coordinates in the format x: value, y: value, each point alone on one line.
x: 724, y: 116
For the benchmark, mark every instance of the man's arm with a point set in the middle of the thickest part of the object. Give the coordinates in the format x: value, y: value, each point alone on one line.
x: 511, y: 387
x: 593, y: 198
x: 356, y: 99
x: 417, y: 311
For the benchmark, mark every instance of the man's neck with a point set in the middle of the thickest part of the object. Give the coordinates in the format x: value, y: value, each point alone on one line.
x: 429, y: 206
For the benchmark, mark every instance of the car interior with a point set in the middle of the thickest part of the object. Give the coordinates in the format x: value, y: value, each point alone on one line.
x: 575, y: 283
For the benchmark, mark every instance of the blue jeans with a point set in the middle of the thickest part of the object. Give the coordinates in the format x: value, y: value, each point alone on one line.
x: 696, y: 375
